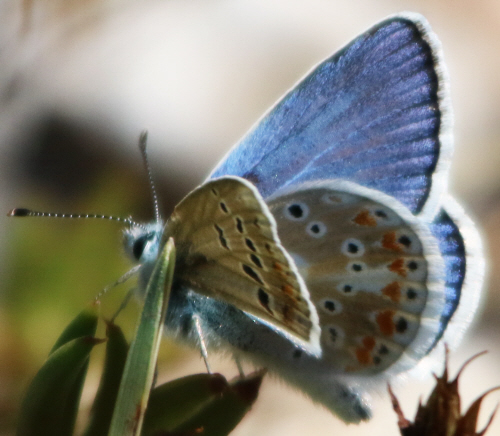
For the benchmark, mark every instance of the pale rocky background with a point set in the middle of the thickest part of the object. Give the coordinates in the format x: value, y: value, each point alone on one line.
x: 79, y: 81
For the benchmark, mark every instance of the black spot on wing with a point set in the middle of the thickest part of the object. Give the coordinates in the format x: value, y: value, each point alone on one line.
x: 352, y: 248
x: 252, y: 274
x: 222, y: 239
x: 296, y: 210
x: 330, y: 305
x: 250, y: 244
x: 412, y: 265
x: 315, y: 228
x: 255, y: 259
x: 405, y: 240
x: 401, y: 325
x: 239, y: 225
x: 263, y: 297
x: 383, y: 349
x: 411, y: 294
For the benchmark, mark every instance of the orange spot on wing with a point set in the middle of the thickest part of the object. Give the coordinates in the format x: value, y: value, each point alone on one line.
x: 389, y: 242
x: 282, y: 270
x: 364, y: 218
x: 287, y: 289
x: 278, y: 266
x: 385, y: 322
x: 364, y: 356
x: 398, y: 267
x: 393, y: 291
x: 364, y: 352
x: 369, y: 342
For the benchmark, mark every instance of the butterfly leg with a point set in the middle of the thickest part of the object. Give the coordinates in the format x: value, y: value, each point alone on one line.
x: 132, y: 272
x: 239, y: 366
x: 123, y: 303
x: 202, y: 342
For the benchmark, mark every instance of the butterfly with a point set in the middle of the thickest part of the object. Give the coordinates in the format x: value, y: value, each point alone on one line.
x: 325, y: 246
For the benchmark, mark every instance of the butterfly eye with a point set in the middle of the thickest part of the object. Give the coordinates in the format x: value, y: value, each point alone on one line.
x: 142, y: 242
x: 145, y: 247
x: 139, y: 246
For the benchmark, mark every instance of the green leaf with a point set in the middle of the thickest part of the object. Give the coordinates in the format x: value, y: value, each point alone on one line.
x: 140, y: 365
x: 85, y: 324
x: 114, y: 363
x: 175, y: 402
x: 222, y: 414
x: 52, y: 393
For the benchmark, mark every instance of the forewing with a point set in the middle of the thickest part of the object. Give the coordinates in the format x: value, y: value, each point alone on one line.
x: 375, y: 113
x: 372, y: 269
x: 228, y: 249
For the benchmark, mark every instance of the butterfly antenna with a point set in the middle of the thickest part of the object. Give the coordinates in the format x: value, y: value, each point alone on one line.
x: 22, y: 212
x: 143, y: 139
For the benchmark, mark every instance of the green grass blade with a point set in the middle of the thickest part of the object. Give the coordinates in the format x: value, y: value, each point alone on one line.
x: 139, y: 368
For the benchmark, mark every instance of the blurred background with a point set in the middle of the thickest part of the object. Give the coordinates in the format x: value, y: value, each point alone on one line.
x: 79, y: 81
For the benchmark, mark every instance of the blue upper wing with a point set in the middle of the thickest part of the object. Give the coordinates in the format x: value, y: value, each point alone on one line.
x: 374, y: 113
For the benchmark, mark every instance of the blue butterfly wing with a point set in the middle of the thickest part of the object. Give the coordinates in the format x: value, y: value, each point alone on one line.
x: 374, y: 113
x: 460, y: 246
